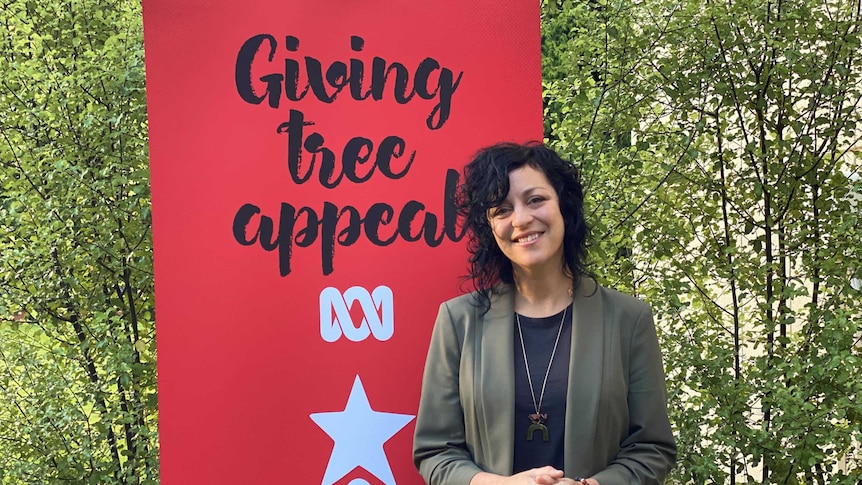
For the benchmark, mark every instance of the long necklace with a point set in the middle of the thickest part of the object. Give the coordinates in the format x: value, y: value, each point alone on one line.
x: 538, y: 419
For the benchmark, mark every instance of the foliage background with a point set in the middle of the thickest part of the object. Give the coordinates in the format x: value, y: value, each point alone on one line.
x: 77, y: 376
x: 715, y: 140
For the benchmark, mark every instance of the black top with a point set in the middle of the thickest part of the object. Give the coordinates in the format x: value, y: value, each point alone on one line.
x: 539, y: 337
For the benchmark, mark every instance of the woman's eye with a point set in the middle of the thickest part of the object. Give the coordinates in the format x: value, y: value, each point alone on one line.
x: 535, y: 200
x: 499, y: 211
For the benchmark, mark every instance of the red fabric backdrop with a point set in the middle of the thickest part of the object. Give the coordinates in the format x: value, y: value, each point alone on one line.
x: 302, y: 158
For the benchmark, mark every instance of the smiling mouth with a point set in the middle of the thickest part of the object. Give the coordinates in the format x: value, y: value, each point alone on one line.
x: 528, y: 238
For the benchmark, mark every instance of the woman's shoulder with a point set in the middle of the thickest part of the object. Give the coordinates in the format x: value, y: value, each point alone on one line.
x: 627, y: 311
x: 613, y: 303
x: 461, y: 300
x: 617, y: 297
x: 480, y: 299
x: 476, y: 305
x: 457, y: 315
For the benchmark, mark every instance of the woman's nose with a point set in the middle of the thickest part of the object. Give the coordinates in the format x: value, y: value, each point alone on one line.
x: 521, y: 217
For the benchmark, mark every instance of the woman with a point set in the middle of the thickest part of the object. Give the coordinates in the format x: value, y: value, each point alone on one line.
x: 540, y: 376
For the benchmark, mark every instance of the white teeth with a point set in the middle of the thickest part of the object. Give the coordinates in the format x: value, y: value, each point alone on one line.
x: 526, y: 239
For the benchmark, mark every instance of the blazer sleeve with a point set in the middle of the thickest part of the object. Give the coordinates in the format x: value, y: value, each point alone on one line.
x: 648, y: 453
x: 440, y: 450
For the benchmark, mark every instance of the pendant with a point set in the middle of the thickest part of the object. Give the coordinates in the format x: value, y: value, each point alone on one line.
x: 538, y: 421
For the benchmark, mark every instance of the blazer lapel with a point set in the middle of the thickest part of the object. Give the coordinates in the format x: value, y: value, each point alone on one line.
x: 495, y: 349
x: 585, y: 377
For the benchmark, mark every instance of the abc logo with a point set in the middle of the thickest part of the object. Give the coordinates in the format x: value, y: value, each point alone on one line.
x: 377, y: 318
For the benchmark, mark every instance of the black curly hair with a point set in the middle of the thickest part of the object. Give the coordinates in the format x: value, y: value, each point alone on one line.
x: 486, y: 184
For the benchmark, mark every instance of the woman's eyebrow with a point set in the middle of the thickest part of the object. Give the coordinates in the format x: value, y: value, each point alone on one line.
x: 531, y: 190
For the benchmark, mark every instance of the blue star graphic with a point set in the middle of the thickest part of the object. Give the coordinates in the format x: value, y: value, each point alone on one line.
x: 359, y: 433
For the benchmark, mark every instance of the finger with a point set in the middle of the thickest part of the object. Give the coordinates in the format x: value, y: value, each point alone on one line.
x: 548, y: 470
x: 545, y: 479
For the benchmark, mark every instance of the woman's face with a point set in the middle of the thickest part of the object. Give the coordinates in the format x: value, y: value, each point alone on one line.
x: 528, y: 224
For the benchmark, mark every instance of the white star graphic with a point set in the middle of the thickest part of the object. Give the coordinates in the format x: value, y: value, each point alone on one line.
x: 359, y: 433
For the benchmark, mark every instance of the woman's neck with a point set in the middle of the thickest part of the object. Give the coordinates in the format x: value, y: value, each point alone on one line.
x: 542, y: 296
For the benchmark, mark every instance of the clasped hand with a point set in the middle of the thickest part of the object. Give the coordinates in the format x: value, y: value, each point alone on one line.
x: 546, y: 475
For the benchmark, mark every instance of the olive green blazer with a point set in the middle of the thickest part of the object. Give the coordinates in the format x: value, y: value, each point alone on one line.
x: 617, y: 429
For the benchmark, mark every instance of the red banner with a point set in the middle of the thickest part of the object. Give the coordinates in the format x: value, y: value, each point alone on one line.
x: 304, y: 159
